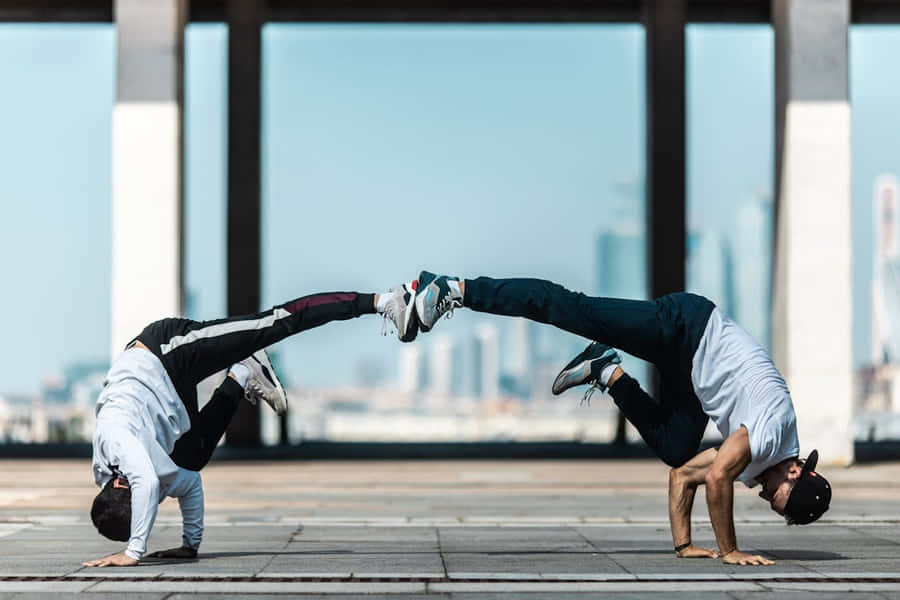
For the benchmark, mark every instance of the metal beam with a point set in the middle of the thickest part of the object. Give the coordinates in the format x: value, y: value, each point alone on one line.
x: 244, y: 125
x: 59, y: 11
x: 454, y: 11
x: 729, y: 11
x: 664, y: 21
x: 612, y: 11
x: 875, y: 11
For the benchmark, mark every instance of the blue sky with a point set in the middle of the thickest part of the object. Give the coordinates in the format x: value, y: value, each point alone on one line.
x: 387, y: 148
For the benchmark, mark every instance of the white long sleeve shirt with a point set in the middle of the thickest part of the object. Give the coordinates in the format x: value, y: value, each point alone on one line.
x: 738, y: 385
x: 139, y: 419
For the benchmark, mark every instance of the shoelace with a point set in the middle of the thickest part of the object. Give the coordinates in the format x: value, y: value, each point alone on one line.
x: 253, y: 391
x: 447, y: 305
x: 388, y: 316
x: 586, y: 399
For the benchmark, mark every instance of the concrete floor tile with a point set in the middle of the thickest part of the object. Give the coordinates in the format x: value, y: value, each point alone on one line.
x: 669, y: 595
x: 586, y: 586
x: 801, y: 595
x: 44, y: 586
x: 79, y: 596
x: 357, y: 564
x: 313, y: 596
x: 262, y: 587
x: 518, y: 539
x: 320, y: 533
x: 834, y: 587
x: 529, y: 563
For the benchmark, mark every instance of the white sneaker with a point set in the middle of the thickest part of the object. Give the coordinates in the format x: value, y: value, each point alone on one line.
x: 263, y: 383
x: 401, y: 312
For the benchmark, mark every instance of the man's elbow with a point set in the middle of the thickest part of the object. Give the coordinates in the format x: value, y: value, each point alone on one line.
x: 676, y: 477
x: 715, y: 479
x: 152, y: 484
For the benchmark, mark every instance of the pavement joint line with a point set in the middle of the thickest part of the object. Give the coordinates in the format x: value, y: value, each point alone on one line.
x: 470, y: 521
x: 474, y: 578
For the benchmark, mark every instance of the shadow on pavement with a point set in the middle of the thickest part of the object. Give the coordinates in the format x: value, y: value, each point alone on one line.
x: 803, y: 554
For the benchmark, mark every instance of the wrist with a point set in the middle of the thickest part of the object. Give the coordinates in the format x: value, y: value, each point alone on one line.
x: 132, y: 554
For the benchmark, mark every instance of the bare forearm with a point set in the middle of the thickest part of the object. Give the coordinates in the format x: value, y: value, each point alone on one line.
x: 681, y: 500
x: 720, y: 502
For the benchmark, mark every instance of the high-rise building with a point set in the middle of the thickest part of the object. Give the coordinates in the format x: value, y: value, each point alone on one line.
x: 517, y: 357
x: 487, y: 362
x: 621, y: 256
x: 409, y: 367
x: 621, y: 272
x: 752, y: 267
x: 885, y: 303
x: 440, y: 366
x: 709, y: 268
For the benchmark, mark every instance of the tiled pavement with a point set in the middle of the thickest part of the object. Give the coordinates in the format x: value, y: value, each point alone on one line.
x: 458, y: 530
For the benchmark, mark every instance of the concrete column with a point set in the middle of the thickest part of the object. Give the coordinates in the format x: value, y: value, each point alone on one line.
x: 812, y: 308
x: 146, y: 150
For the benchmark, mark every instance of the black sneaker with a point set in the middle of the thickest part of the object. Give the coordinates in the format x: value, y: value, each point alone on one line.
x: 434, y: 299
x: 586, y: 368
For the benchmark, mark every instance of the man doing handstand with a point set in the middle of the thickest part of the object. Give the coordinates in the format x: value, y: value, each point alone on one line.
x: 709, y: 368
x: 150, y: 438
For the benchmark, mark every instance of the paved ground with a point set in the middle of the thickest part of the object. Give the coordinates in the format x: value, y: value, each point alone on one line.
x: 460, y: 530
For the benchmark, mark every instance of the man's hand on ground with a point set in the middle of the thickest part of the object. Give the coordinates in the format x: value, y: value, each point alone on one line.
x: 113, y: 560
x: 181, y: 552
x: 696, y: 552
x: 736, y: 557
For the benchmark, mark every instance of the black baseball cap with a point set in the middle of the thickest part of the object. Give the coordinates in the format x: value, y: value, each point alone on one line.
x: 811, y: 494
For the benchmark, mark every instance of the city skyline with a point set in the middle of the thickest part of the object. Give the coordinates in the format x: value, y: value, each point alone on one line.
x: 587, y: 112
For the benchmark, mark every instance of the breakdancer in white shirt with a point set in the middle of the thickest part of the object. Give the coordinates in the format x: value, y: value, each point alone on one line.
x: 151, y: 440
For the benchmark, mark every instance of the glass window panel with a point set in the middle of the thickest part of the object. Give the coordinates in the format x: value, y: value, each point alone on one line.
x: 503, y: 150
x: 205, y: 168
x: 730, y: 147
x: 875, y: 96
x: 55, y: 123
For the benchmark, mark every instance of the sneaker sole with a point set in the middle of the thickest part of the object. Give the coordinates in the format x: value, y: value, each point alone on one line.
x: 410, y: 322
x: 419, y: 287
x: 568, y: 378
x: 408, y: 317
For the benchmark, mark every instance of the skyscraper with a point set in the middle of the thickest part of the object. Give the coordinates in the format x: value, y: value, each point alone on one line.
x: 440, y: 366
x: 621, y: 262
x: 752, y: 267
x: 709, y: 268
x: 517, y: 357
x: 487, y: 365
x: 885, y: 303
x: 409, y: 367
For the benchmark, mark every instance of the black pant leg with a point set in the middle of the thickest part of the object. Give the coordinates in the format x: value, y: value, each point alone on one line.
x: 672, y: 427
x: 630, y: 325
x: 194, y: 449
x: 192, y: 351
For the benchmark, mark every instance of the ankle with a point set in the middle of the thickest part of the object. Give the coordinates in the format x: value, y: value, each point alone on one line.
x: 614, y: 376
x: 240, y: 373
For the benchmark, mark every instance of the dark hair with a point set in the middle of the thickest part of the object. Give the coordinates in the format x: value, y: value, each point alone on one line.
x: 111, y: 512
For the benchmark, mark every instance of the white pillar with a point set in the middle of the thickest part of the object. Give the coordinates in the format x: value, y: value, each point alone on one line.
x: 146, y: 169
x: 812, y: 309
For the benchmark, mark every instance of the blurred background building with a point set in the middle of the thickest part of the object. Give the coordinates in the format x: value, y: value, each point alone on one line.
x: 204, y: 158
